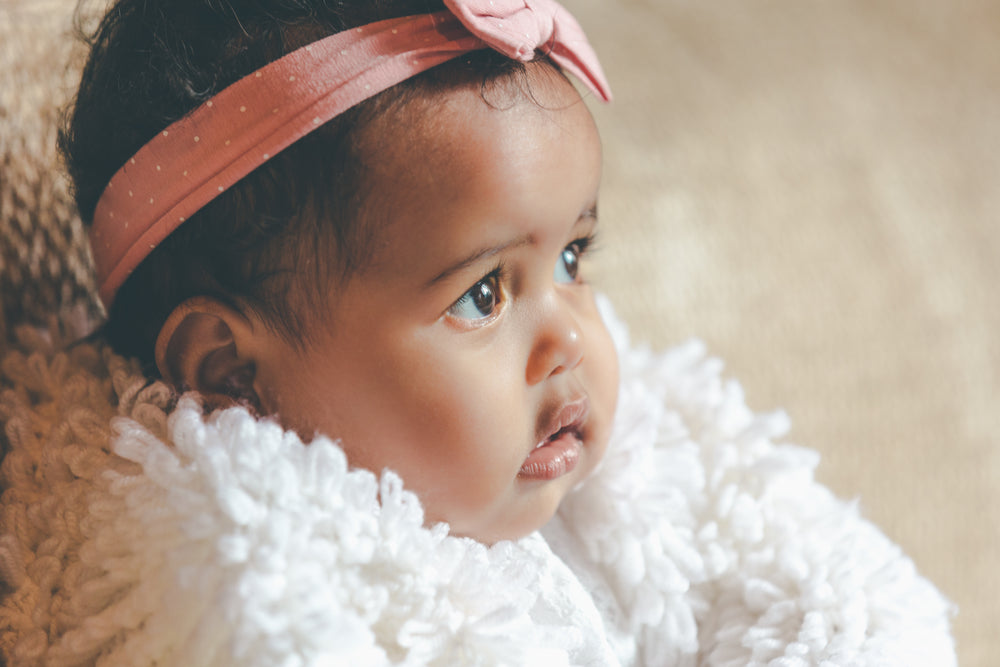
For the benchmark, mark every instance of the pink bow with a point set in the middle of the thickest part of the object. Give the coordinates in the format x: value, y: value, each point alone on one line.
x: 517, y: 28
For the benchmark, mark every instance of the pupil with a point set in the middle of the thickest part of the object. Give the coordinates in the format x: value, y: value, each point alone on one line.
x: 483, y: 298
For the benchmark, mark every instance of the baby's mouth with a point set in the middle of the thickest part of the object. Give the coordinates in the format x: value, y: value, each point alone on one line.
x: 558, y: 449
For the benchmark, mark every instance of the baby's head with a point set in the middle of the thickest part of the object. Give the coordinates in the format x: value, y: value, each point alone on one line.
x: 404, y: 277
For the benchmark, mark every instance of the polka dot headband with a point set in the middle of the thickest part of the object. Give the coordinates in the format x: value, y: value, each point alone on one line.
x: 200, y: 156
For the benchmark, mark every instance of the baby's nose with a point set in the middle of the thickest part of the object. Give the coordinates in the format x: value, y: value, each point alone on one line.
x: 558, y: 342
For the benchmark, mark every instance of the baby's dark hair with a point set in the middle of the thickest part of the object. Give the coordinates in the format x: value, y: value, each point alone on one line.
x: 154, y: 61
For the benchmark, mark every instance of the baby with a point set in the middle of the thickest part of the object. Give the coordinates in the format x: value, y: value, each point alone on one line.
x: 378, y: 235
x: 368, y: 220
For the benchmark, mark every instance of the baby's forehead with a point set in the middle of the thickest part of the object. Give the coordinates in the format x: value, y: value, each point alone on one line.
x: 428, y: 111
x: 473, y: 175
x: 434, y: 133
x: 453, y: 152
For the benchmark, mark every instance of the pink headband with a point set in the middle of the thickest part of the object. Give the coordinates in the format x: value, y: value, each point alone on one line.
x: 188, y: 164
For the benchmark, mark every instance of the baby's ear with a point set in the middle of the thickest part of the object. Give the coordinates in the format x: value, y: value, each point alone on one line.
x: 205, y: 345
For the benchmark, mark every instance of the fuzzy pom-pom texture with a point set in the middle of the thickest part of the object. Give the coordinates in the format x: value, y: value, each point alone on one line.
x: 138, y: 530
x: 224, y: 540
x: 719, y: 548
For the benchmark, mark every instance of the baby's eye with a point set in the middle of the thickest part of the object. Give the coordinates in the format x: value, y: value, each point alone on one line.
x: 480, y: 301
x: 568, y: 266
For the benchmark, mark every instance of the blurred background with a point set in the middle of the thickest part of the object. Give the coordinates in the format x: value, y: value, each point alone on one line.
x: 812, y: 187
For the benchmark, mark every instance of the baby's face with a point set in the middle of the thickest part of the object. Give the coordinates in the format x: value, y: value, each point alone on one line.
x: 469, y: 356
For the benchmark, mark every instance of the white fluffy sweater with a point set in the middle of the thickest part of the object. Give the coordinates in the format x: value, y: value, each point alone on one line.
x: 137, y: 531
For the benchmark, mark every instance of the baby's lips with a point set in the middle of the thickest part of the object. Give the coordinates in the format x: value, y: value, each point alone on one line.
x: 571, y: 414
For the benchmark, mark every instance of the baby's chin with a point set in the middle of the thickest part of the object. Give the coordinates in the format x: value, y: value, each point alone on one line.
x: 512, y: 526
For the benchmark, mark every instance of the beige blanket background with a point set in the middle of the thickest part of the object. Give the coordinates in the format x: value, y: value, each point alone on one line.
x: 810, y: 186
x: 813, y: 188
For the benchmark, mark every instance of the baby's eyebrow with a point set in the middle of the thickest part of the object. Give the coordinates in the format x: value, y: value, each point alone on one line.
x: 489, y: 251
x: 479, y: 255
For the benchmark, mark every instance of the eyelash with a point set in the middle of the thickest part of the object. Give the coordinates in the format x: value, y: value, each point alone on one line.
x: 584, y: 244
x: 497, y: 277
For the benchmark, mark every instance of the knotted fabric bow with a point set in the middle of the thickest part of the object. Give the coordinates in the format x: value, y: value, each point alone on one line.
x: 192, y: 161
x: 517, y: 28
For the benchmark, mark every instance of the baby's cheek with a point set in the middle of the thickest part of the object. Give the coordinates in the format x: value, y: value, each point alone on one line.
x: 602, y: 345
x: 613, y: 374
x: 604, y: 392
x: 470, y: 434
